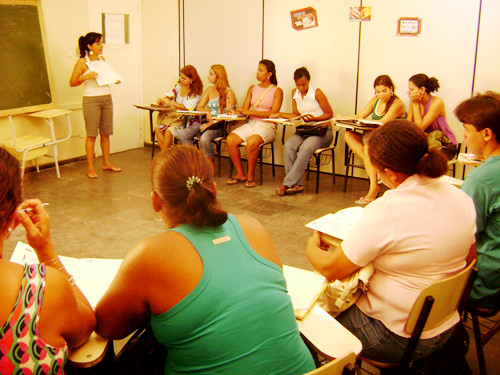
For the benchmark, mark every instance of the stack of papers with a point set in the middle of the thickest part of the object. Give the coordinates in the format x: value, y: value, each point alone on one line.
x: 304, y: 288
x: 92, y: 275
x: 339, y: 224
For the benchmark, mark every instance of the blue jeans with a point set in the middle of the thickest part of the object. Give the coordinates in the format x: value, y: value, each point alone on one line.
x: 380, y: 344
x: 298, y: 152
x: 206, y: 140
x: 186, y: 135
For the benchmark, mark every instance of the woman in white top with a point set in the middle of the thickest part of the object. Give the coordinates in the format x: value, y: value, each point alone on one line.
x: 419, y: 232
x: 310, y: 104
x: 385, y: 106
x: 97, y: 103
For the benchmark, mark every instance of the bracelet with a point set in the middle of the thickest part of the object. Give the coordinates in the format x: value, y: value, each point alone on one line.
x: 53, y: 260
x: 61, y: 268
x: 71, y: 280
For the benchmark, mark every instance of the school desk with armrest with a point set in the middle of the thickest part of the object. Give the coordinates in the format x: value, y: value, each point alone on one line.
x: 152, y: 108
x: 31, y: 147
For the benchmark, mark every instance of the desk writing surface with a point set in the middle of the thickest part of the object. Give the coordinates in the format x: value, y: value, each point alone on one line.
x: 50, y: 113
x: 154, y: 108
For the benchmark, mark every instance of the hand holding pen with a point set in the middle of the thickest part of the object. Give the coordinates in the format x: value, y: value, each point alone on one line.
x: 35, y: 220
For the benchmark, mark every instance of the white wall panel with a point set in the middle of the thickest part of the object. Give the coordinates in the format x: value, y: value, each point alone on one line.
x: 224, y: 32
x: 488, y: 55
x: 445, y: 49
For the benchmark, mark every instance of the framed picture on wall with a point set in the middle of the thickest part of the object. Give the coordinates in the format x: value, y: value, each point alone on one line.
x: 304, y: 18
x: 409, y: 26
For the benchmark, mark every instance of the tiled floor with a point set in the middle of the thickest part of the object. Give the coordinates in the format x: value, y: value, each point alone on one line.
x: 107, y: 216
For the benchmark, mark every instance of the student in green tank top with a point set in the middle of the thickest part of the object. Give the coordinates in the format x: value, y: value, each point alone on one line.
x: 211, y: 284
x: 385, y: 106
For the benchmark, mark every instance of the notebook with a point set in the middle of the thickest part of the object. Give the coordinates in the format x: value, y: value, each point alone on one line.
x: 304, y: 288
x: 339, y: 224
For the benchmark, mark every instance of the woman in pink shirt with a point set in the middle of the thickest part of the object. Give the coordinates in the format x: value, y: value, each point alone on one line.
x: 262, y: 100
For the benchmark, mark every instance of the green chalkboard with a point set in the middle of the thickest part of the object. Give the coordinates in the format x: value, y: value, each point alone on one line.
x: 25, y: 75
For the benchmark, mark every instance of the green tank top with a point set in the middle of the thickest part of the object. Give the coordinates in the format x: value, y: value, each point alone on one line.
x: 239, y: 318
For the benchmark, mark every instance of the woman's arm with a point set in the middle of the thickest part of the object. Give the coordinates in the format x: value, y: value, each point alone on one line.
x: 278, y: 100
x: 77, y: 77
x: 396, y: 110
x: 295, y: 112
x: 333, y: 265
x: 124, y: 307
x: 325, y: 106
x: 424, y: 121
x: 230, y: 99
x: 76, y: 320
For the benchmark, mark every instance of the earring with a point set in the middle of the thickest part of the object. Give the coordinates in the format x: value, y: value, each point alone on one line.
x: 158, y: 217
x: 91, y: 53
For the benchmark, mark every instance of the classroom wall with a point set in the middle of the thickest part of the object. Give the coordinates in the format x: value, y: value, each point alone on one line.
x: 173, y: 33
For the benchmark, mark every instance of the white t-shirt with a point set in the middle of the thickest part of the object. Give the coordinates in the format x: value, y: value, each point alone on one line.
x: 418, y: 233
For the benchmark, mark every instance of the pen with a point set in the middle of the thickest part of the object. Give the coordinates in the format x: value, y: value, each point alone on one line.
x: 233, y: 106
x: 29, y: 209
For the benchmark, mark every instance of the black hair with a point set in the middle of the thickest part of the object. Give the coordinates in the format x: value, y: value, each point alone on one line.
x: 421, y: 80
x: 85, y: 41
x: 301, y: 72
x: 271, y: 68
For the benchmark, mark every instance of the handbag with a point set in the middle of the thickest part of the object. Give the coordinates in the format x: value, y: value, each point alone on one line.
x: 307, y: 130
x: 167, y: 119
x: 339, y: 295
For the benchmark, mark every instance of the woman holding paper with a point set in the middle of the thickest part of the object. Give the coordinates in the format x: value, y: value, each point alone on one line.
x: 212, y: 283
x: 408, y: 247
x: 184, y: 96
x: 310, y: 104
x: 42, y: 311
x: 217, y: 98
x: 385, y: 106
x: 262, y: 100
x: 97, y: 102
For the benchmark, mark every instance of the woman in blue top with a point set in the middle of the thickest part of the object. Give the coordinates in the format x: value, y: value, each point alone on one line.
x: 385, y: 106
x: 218, y: 98
x: 211, y: 284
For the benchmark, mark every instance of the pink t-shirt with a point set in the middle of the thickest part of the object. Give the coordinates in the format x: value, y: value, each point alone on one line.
x: 418, y: 233
x: 266, y: 103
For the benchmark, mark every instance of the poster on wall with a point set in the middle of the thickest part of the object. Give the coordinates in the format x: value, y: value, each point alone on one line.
x: 360, y: 14
x: 304, y: 18
x: 409, y: 26
x: 115, y: 28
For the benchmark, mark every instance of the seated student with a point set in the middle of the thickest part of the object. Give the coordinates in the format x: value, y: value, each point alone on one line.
x: 262, y: 101
x: 184, y: 96
x: 481, y: 118
x: 385, y: 106
x: 211, y: 284
x: 417, y: 233
x: 218, y: 98
x: 42, y: 311
x: 428, y: 112
x: 310, y: 103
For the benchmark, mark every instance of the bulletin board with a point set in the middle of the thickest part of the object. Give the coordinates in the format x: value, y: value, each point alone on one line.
x: 26, y: 83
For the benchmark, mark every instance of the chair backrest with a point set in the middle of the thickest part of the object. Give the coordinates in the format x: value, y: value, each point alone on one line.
x: 335, y: 130
x: 335, y: 367
x: 447, y: 294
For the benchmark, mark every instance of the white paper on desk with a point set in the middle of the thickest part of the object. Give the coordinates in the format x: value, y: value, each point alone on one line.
x: 468, y: 158
x: 191, y: 112
x: 304, y: 288
x: 281, y: 120
x: 229, y: 117
x: 339, y: 224
x: 106, y: 74
x: 92, y: 275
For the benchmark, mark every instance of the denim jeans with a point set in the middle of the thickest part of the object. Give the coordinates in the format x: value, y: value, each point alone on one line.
x: 186, y: 135
x: 298, y: 152
x: 206, y: 139
x: 380, y: 344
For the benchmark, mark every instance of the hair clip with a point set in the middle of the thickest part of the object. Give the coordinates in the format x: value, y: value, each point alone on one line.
x: 191, y: 180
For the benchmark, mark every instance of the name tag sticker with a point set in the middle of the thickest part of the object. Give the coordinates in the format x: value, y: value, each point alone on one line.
x: 221, y: 240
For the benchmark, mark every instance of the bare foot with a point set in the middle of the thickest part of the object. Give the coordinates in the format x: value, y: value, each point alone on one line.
x: 91, y: 173
x: 111, y: 168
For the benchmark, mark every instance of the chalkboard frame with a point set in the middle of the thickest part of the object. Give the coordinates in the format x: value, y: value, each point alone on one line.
x: 33, y: 107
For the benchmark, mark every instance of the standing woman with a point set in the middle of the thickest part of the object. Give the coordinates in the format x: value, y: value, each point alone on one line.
x: 262, y: 100
x: 184, y: 96
x: 218, y: 98
x: 428, y: 112
x: 42, y: 311
x: 385, y: 106
x: 312, y: 105
x: 97, y: 102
